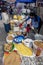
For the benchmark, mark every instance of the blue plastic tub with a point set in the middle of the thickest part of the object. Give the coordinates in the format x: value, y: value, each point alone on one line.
x: 18, y: 39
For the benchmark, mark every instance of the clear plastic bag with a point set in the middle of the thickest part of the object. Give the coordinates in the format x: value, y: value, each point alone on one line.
x: 38, y: 37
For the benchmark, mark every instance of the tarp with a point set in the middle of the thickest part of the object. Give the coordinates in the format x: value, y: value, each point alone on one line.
x: 26, y: 1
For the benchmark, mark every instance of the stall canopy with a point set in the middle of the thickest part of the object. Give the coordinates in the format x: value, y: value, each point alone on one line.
x: 26, y: 1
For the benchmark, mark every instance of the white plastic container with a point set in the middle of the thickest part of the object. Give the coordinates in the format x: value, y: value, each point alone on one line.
x: 28, y: 42
x: 36, y: 48
x: 9, y: 41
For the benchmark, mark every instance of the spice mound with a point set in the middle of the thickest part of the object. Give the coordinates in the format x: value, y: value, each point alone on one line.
x: 12, y: 58
x: 39, y: 44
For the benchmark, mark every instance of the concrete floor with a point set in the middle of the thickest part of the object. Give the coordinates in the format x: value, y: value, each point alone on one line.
x: 2, y: 40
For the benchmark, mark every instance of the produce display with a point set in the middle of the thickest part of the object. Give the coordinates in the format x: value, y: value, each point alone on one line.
x: 15, y: 16
x: 23, y: 50
x: 38, y: 47
x: 39, y: 43
x: 8, y: 47
x: 10, y: 37
x: 19, y: 17
x: 12, y: 58
x: 18, y: 33
x: 19, y: 45
x: 12, y: 33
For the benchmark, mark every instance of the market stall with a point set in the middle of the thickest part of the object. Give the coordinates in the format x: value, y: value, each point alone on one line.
x: 23, y: 51
x: 18, y: 42
x: 22, y: 47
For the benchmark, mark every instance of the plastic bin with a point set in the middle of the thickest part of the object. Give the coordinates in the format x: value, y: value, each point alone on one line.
x: 7, y: 27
